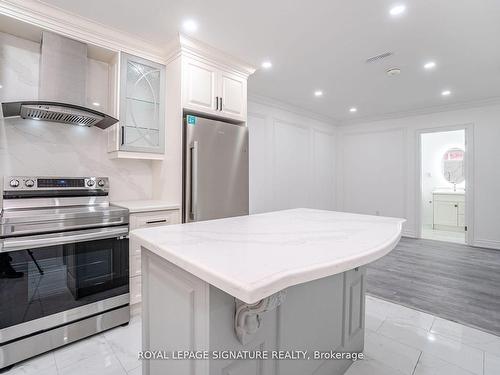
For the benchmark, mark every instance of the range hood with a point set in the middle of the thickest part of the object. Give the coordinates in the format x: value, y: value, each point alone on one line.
x: 62, y: 87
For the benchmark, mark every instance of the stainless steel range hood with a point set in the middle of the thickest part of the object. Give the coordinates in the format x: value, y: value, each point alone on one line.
x: 62, y: 87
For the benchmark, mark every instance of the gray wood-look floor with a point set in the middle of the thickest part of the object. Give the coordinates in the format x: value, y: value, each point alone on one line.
x: 453, y: 281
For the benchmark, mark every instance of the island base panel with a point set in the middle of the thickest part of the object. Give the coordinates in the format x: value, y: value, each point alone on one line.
x: 182, y: 312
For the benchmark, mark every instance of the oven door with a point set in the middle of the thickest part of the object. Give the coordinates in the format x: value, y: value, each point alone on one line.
x: 53, y: 279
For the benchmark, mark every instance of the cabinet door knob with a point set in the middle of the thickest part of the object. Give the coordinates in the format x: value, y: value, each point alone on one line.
x: 221, y: 103
x: 217, y: 103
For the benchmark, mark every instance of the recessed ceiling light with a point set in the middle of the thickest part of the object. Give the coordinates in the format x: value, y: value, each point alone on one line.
x: 430, y: 65
x: 318, y: 93
x: 353, y: 109
x: 190, y: 25
x: 267, y: 65
x: 397, y: 10
x: 96, y: 104
x: 446, y: 92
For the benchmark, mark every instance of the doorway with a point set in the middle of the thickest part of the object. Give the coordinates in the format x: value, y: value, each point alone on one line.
x: 444, y: 185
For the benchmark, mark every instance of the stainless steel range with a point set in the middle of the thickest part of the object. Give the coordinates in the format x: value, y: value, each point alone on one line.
x: 63, y: 263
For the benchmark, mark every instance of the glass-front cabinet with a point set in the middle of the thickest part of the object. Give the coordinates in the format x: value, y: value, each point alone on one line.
x: 141, y: 105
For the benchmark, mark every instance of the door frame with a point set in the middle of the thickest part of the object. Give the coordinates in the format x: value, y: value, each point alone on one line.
x: 469, y: 177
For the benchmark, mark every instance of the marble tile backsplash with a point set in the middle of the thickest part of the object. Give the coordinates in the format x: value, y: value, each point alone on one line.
x: 30, y: 147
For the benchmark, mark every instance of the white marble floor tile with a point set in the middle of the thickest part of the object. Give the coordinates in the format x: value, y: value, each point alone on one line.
x: 96, y: 364
x: 126, y: 343
x: 373, y: 322
x: 398, y: 341
x: 377, y: 308
x: 136, y: 371
x: 391, y: 353
x: 471, y: 336
x: 431, y: 365
x: 449, y: 350
x: 70, y: 354
x: 369, y: 366
x: 491, y: 364
x: 44, y: 364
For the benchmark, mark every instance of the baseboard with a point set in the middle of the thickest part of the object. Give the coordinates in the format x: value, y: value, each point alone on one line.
x: 409, y: 233
x: 489, y: 244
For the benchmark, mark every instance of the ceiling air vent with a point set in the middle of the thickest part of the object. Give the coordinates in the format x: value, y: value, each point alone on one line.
x: 379, y: 57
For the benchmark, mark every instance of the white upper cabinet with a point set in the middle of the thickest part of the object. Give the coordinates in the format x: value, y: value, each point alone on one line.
x: 142, y: 105
x: 214, y: 91
x: 200, y: 86
x: 234, y: 95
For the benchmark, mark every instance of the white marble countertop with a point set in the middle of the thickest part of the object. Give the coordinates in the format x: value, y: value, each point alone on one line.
x: 252, y: 257
x: 449, y: 191
x: 146, y: 205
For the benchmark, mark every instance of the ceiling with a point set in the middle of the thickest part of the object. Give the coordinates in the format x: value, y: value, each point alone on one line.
x: 323, y: 44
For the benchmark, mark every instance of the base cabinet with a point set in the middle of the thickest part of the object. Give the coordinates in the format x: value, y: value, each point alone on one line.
x: 145, y: 220
x: 182, y: 312
x: 449, y: 212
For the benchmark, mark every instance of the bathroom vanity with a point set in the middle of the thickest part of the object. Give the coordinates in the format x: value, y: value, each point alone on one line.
x: 449, y: 210
x: 288, y: 281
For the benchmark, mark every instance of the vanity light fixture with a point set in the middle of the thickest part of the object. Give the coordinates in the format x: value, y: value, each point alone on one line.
x: 446, y: 93
x: 353, y: 109
x: 430, y: 65
x: 190, y: 25
x: 267, y: 64
x: 397, y: 10
x: 318, y: 93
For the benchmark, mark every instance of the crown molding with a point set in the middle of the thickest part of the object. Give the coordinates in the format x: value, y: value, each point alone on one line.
x: 423, y: 111
x: 187, y: 46
x: 278, y: 104
x: 74, y: 26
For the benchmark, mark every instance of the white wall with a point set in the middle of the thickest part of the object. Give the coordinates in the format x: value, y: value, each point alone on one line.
x: 434, y: 146
x: 292, y: 159
x: 29, y: 147
x: 377, y: 167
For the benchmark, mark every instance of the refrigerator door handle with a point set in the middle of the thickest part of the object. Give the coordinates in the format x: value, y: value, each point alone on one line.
x: 194, y: 181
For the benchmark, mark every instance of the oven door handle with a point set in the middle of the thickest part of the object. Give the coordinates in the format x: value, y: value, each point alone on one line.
x: 44, y: 240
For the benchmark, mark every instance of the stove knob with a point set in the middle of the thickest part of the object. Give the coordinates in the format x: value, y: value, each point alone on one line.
x: 14, y: 183
x: 29, y: 183
x: 90, y: 183
x: 101, y: 183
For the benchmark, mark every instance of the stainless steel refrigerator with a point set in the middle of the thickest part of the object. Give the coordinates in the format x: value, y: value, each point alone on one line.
x: 215, y: 169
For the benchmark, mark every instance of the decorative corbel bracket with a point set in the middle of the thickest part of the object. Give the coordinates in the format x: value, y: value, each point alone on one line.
x: 248, y: 318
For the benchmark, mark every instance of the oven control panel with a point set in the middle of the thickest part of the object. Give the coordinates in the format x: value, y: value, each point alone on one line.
x: 16, y: 183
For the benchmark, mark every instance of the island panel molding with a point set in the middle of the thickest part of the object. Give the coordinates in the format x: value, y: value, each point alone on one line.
x: 252, y: 257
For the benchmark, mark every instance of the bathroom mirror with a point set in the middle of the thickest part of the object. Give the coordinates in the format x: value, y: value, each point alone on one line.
x: 453, y: 167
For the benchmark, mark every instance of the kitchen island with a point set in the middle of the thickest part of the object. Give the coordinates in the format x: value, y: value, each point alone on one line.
x: 288, y: 284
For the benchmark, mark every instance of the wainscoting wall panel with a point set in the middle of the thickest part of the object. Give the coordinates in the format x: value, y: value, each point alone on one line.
x: 292, y: 160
